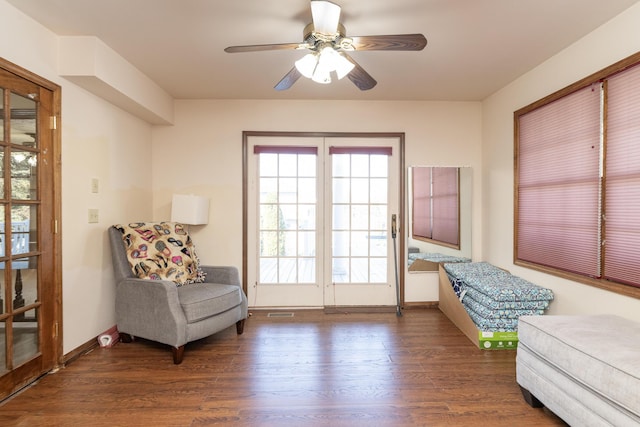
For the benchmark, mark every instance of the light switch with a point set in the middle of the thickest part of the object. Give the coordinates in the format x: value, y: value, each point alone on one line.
x: 95, y: 185
x: 93, y: 216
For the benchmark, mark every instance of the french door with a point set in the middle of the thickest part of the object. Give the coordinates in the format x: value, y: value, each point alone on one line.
x: 318, y: 216
x: 29, y: 315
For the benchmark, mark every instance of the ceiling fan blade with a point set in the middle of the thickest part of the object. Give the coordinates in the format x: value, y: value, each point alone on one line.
x: 262, y: 47
x: 359, y: 76
x: 326, y: 16
x: 390, y: 42
x: 288, y: 80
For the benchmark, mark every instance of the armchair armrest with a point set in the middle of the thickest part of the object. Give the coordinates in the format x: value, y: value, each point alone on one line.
x: 226, y: 275
x: 150, y: 309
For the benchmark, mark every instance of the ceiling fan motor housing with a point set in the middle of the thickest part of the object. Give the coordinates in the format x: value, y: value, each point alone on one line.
x: 312, y: 39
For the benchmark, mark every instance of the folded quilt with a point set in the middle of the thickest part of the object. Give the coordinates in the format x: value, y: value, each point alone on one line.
x: 496, y: 283
x: 502, y: 305
x: 493, y: 325
x: 494, y: 298
x: 436, y: 257
x: 489, y: 313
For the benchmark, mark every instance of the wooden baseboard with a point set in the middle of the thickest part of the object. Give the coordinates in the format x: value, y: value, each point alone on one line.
x: 73, y: 355
x: 420, y: 305
x: 359, y: 309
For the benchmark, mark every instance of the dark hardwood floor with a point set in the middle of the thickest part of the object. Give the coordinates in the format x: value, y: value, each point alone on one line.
x: 313, y: 369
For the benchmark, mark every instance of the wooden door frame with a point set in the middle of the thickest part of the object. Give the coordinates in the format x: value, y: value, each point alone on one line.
x: 56, y: 359
x: 401, y: 188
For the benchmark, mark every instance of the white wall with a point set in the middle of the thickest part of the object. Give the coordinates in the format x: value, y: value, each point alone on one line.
x: 98, y: 140
x: 608, y: 44
x: 202, y: 152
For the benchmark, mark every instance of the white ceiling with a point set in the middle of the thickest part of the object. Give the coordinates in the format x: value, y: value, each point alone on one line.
x: 475, y: 47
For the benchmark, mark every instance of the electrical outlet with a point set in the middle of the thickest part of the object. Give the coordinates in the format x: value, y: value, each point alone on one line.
x: 93, y: 216
x: 95, y: 185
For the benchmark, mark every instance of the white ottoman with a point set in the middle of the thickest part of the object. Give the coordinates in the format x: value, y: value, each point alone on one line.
x: 586, y: 369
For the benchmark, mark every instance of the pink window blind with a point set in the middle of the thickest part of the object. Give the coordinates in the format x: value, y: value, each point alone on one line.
x: 558, y: 184
x: 445, y: 205
x: 284, y: 149
x: 622, y: 185
x: 384, y: 151
x: 421, y: 184
x: 436, y: 203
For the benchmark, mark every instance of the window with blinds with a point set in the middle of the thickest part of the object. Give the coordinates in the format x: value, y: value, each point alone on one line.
x: 577, y: 189
x: 559, y: 184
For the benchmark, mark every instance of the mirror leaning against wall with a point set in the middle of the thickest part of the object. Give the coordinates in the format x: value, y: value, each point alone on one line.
x: 439, y: 216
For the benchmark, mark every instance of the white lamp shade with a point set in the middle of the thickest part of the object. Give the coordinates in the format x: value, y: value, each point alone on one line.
x: 190, y: 209
x: 343, y: 66
x: 307, y: 65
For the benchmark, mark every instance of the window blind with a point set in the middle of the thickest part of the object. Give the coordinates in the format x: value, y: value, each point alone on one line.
x: 445, y: 205
x: 558, y: 184
x: 622, y: 186
x: 436, y: 204
x: 421, y: 184
x: 384, y: 151
x: 284, y: 149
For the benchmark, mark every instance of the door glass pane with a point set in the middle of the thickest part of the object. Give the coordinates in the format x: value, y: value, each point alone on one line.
x: 359, y: 243
x: 307, y: 217
x: 288, y: 204
x: 360, y: 165
x: 307, y: 270
x: 340, y: 270
x: 24, y: 175
x: 23, y: 235
x: 23, y: 120
x: 359, y: 217
x: 24, y: 281
x: 378, y: 190
x: 360, y: 190
x: 25, y: 337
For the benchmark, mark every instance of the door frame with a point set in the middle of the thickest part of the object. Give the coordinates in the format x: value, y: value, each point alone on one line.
x: 53, y: 358
x: 246, y: 135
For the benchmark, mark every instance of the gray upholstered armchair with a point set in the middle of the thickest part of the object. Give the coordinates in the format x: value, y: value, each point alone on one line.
x: 158, y: 310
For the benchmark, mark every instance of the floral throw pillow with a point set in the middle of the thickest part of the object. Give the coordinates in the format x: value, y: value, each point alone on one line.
x: 161, y: 251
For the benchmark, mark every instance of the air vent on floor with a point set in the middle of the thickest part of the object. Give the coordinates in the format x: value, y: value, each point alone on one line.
x: 283, y: 314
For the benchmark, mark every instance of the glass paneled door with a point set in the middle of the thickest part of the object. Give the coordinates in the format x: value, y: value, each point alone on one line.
x: 285, y: 223
x: 27, y: 328
x: 364, y: 194
x: 319, y: 210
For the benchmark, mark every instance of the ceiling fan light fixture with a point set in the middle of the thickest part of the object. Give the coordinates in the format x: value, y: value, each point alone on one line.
x: 318, y: 66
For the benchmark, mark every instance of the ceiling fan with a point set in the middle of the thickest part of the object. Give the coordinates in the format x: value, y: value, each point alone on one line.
x: 325, y: 39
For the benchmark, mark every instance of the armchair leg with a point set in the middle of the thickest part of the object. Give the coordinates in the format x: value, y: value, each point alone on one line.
x: 178, y: 354
x: 240, y: 326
